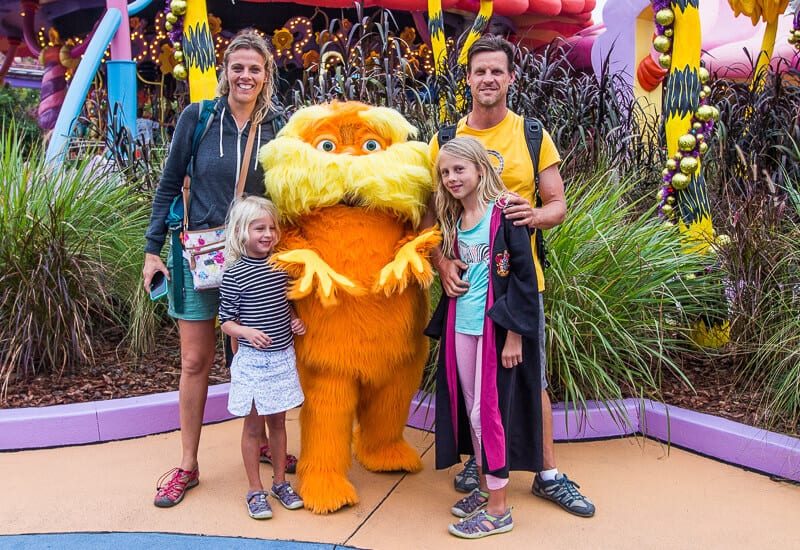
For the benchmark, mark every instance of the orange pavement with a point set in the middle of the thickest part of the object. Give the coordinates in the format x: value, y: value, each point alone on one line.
x: 647, y: 496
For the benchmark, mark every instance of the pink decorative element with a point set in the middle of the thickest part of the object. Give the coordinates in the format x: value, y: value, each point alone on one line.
x: 54, y: 88
x: 121, y: 43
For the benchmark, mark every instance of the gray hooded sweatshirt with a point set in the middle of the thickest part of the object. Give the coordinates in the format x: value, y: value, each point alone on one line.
x: 216, y: 170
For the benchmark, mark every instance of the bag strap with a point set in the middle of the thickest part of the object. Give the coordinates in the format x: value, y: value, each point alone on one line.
x: 187, y: 179
x: 248, y: 151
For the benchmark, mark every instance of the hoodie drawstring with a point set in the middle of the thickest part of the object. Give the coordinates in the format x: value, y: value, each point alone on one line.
x: 221, y: 119
x: 238, y: 152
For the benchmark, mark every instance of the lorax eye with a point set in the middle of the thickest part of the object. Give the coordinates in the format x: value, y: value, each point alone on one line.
x: 326, y: 145
x: 371, y: 145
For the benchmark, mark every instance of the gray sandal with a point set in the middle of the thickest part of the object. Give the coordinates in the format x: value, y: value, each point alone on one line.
x: 482, y: 524
x: 257, y: 505
x: 470, y: 504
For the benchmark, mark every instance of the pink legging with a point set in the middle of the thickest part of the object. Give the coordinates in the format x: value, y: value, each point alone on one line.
x: 468, y: 362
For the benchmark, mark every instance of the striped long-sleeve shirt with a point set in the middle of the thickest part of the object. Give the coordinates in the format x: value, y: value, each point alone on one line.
x: 253, y: 294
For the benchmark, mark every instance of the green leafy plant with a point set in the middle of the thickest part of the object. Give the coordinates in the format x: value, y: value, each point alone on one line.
x: 68, y: 236
x: 19, y: 105
x: 762, y: 265
x: 623, y: 295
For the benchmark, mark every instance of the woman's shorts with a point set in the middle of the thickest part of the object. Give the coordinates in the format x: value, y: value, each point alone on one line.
x: 266, y: 379
x: 200, y: 305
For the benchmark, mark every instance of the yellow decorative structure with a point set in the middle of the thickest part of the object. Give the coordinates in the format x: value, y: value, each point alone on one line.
x: 478, y: 26
x: 768, y: 11
x: 438, y: 40
x: 685, y: 122
x: 439, y: 44
x: 198, y: 51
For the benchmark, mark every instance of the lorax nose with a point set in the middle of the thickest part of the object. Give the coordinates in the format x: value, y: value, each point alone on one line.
x: 351, y: 150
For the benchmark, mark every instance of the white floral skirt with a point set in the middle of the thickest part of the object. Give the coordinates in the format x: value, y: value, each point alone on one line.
x: 267, y: 379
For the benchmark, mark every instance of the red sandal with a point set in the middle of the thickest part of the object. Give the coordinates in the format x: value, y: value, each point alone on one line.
x: 291, y: 460
x: 172, y: 492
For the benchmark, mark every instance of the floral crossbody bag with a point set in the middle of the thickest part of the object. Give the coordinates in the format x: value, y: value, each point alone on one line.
x: 204, y: 248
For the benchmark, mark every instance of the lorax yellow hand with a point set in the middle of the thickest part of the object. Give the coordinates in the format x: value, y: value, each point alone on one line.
x: 410, y: 261
x: 312, y: 265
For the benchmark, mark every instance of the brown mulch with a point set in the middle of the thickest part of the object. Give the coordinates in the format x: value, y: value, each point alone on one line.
x: 716, y: 392
x: 115, y: 375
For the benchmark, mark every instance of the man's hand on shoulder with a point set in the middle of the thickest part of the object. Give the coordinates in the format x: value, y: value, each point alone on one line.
x: 519, y: 210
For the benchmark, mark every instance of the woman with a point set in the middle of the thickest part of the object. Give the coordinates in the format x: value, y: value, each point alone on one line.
x: 245, y: 89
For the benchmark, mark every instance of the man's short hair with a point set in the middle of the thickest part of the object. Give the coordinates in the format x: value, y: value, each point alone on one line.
x: 491, y: 43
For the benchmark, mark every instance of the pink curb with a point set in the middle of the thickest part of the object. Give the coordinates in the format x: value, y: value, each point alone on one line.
x: 760, y: 450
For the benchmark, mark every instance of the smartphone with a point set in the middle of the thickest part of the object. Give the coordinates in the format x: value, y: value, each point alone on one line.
x: 158, y: 286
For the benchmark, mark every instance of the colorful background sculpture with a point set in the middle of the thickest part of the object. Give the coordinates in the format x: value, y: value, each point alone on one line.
x: 161, y: 44
x: 157, y: 34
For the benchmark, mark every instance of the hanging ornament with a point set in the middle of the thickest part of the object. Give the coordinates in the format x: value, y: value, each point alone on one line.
x: 178, y: 7
x: 180, y: 72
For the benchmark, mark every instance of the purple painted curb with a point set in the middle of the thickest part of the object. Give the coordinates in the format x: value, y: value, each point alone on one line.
x: 37, y: 427
x: 769, y: 452
x: 706, y: 434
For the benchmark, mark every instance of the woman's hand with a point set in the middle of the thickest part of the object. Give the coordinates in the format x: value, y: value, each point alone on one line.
x: 152, y: 264
x: 512, y: 350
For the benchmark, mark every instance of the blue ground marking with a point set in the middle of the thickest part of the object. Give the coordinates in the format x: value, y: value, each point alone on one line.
x: 124, y: 541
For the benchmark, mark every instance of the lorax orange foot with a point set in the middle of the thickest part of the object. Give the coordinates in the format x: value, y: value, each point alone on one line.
x: 351, y: 189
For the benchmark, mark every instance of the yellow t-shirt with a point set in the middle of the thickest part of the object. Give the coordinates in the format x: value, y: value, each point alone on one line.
x: 508, y: 150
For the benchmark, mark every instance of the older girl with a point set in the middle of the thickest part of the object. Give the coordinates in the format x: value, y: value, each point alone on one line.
x: 488, y: 375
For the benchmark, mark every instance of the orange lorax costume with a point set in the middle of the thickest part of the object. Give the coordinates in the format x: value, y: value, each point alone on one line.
x: 351, y: 190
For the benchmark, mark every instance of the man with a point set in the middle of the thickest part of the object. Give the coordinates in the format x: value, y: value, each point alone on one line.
x: 145, y: 126
x: 490, y: 72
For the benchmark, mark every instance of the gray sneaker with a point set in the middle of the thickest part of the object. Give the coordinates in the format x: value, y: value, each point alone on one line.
x: 257, y: 505
x: 286, y: 496
x: 466, y: 480
x: 564, y: 492
x: 476, y: 500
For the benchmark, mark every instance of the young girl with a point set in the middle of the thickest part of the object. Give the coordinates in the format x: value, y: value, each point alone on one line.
x: 488, y: 377
x: 254, y: 310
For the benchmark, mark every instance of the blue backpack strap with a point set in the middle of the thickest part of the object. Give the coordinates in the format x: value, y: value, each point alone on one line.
x: 208, y: 109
